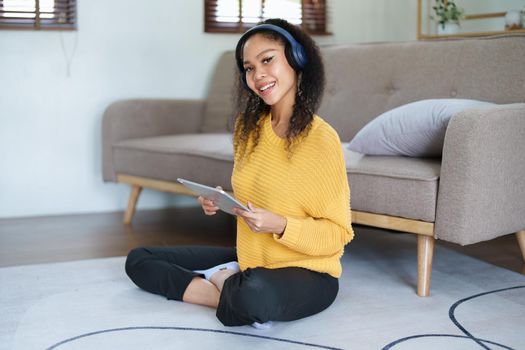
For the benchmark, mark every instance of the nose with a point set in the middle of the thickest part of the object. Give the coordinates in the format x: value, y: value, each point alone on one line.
x: 260, y: 73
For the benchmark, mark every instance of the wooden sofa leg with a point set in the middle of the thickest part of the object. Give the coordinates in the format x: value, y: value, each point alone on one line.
x: 520, y: 235
x: 132, y: 203
x: 425, y: 252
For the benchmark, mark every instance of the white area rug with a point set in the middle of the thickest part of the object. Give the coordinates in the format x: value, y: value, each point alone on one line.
x: 92, y: 305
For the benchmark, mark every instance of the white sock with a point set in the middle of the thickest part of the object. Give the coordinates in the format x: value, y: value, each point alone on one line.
x: 232, y: 265
x: 262, y: 326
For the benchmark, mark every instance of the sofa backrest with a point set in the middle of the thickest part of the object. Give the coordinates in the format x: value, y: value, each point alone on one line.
x: 365, y: 80
x: 220, y: 102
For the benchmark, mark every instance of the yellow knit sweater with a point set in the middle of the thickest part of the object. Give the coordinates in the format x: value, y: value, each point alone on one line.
x: 310, y: 190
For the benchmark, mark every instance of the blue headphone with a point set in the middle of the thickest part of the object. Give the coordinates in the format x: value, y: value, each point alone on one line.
x: 294, y: 51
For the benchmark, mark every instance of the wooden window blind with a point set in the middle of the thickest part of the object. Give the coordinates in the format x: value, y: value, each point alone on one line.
x: 38, y: 14
x: 236, y: 16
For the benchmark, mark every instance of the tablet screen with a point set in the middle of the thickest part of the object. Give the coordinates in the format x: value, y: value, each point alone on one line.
x: 223, y: 200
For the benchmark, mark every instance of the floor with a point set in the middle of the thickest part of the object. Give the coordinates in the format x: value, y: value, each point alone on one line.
x: 74, y: 237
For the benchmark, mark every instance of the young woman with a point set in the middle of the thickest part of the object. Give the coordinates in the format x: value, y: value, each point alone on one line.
x: 289, y: 169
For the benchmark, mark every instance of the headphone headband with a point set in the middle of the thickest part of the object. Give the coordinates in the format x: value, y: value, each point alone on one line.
x: 298, y: 55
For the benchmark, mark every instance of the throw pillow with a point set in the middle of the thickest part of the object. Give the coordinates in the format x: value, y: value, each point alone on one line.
x: 416, y: 129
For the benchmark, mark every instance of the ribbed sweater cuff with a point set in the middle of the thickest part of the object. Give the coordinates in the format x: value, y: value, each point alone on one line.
x: 291, y: 233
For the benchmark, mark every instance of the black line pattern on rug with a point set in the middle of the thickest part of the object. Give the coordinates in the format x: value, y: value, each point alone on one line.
x: 452, y: 317
x: 188, y: 329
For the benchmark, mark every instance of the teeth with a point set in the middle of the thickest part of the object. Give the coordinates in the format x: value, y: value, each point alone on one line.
x: 267, y: 86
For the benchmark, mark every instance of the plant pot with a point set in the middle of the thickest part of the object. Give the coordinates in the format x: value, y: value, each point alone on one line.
x: 450, y: 28
x: 513, y: 20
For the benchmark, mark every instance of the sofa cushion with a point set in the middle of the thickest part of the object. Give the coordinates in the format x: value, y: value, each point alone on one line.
x: 416, y: 129
x: 397, y: 186
x: 204, y: 158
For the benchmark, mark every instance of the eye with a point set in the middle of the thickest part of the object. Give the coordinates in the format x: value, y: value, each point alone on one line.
x: 267, y: 59
x: 248, y: 69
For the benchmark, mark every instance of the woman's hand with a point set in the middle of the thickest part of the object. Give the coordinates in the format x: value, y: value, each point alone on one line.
x: 208, y: 205
x: 262, y: 220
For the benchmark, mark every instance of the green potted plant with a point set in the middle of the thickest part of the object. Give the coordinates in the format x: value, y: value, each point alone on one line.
x: 448, y: 15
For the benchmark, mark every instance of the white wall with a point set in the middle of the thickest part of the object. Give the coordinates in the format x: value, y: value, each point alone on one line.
x: 50, y: 152
x: 373, y: 20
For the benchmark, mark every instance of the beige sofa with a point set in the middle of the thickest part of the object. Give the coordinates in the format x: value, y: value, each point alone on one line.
x: 475, y: 192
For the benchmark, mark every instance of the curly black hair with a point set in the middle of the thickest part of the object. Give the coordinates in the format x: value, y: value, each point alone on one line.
x: 251, y: 108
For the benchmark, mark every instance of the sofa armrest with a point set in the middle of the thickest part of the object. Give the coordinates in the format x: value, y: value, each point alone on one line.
x: 482, y: 184
x: 127, y: 119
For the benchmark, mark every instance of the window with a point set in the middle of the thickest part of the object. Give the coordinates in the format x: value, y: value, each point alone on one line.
x: 236, y: 16
x: 38, y: 14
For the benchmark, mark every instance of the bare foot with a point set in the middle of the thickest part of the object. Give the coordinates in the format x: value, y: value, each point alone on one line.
x: 202, y: 292
x: 220, y: 276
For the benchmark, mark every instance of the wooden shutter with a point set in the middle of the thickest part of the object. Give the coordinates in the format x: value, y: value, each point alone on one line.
x: 224, y: 16
x: 314, y: 16
x: 38, y: 14
x: 212, y: 24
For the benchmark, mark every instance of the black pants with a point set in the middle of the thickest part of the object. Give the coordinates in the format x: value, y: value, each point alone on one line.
x: 254, y: 295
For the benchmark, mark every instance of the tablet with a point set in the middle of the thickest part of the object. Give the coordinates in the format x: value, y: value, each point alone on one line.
x: 223, y: 200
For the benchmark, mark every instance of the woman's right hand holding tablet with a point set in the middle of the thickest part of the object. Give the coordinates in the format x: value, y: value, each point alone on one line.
x: 208, y: 205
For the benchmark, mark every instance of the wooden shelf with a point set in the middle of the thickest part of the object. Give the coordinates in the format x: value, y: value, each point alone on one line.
x: 470, y: 35
x: 422, y: 36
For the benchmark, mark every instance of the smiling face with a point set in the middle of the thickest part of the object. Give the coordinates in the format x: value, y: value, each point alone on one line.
x: 268, y: 73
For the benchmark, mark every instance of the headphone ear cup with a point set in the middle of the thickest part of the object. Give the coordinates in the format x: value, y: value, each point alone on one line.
x: 291, y: 57
x: 300, y: 56
x: 295, y: 55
